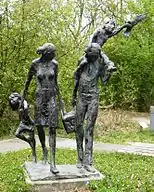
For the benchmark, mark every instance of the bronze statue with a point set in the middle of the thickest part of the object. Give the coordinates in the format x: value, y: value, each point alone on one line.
x: 45, y: 70
x: 101, y: 35
x: 26, y: 125
x: 92, y: 66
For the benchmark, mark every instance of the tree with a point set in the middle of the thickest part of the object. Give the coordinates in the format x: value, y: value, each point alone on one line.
x: 25, y: 25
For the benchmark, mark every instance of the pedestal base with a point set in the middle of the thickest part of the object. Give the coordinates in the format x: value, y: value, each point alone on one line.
x: 69, y: 177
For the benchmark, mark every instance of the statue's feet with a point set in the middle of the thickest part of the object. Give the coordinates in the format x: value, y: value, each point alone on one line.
x: 79, y: 165
x: 54, y: 170
x: 45, y: 155
x: 89, y: 168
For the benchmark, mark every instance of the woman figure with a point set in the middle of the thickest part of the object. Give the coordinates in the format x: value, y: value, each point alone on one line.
x: 92, y: 67
x: 45, y: 70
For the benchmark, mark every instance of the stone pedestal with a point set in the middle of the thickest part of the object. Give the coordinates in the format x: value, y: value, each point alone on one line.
x: 69, y: 177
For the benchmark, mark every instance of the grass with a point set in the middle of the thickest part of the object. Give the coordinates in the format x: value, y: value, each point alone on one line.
x: 117, y: 137
x: 124, y: 172
x: 120, y: 137
x: 117, y: 126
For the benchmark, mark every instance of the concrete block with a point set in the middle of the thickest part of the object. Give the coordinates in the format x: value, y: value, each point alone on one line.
x: 68, y: 179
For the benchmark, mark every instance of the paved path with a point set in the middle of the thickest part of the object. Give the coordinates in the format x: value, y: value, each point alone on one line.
x: 135, y: 148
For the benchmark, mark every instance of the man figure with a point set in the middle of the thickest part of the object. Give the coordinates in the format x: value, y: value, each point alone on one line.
x: 92, y: 66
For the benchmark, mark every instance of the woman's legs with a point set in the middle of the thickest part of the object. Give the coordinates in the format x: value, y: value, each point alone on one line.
x: 41, y: 134
x: 52, y: 144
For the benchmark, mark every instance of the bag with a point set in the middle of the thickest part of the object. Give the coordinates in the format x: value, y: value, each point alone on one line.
x: 68, y: 120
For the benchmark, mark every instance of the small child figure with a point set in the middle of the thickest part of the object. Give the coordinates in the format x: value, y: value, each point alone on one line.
x: 26, y: 124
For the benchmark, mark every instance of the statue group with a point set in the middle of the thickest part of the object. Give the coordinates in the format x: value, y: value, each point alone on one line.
x: 92, y: 66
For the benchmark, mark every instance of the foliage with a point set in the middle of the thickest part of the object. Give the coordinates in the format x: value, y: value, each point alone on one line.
x: 132, y: 86
x: 25, y: 25
x: 123, y: 172
x: 8, y: 127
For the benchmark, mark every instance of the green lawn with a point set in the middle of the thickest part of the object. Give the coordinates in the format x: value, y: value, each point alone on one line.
x: 120, y: 137
x: 124, y: 172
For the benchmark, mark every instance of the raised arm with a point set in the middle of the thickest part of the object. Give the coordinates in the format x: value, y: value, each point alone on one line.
x: 129, y: 25
x: 115, y: 32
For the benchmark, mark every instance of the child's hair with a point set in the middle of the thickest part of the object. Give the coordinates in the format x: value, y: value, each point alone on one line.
x: 14, y: 101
